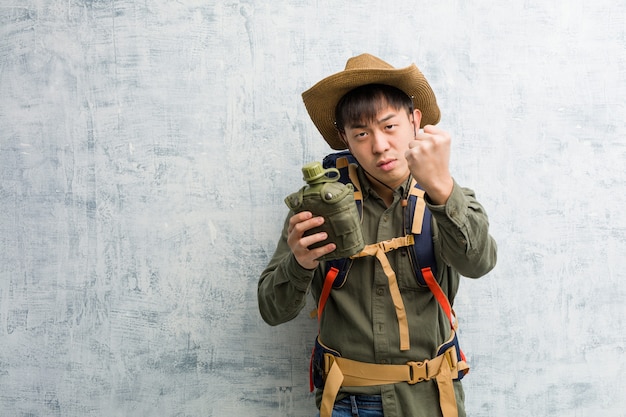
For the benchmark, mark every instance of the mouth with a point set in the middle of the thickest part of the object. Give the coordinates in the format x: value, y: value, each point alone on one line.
x: 386, y: 164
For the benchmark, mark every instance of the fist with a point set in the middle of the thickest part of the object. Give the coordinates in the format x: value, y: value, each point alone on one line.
x: 428, y: 158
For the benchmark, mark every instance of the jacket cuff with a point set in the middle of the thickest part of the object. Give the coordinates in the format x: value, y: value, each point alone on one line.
x: 455, y: 209
x: 300, y: 277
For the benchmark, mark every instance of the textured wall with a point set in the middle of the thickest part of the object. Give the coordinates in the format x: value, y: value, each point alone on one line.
x: 146, y: 147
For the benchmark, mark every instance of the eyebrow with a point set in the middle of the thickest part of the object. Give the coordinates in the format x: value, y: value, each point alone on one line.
x: 384, y: 119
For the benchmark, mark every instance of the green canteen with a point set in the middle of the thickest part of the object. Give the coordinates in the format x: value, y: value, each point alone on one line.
x: 325, y: 196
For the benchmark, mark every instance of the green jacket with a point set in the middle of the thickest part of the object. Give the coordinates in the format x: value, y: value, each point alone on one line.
x: 359, y: 319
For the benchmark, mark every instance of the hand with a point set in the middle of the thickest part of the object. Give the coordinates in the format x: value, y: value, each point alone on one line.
x: 299, y: 244
x: 429, y: 162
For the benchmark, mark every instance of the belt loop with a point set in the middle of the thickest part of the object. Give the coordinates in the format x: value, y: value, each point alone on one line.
x: 355, y: 408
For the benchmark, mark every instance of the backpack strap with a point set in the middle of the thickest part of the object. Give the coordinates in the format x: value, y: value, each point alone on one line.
x: 418, y: 206
x: 379, y: 250
x: 347, y: 165
x: 336, y: 273
x: 336, y: 372
x: 443, y: 301
x: 329, y: 280
x: 417, y: 221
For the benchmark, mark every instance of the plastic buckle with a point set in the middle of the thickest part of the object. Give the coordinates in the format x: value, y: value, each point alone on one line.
x: 451, y: 357
x: 329, y: 359
x: 387, y: 245
x: 418, y: 372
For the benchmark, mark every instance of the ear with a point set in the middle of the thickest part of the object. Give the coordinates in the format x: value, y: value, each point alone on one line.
x: 417, y: 118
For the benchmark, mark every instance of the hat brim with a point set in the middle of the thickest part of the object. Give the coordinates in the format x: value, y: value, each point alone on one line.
x: 321, y: 99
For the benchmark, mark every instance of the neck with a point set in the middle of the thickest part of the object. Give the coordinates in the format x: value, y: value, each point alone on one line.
x: 383, y: 190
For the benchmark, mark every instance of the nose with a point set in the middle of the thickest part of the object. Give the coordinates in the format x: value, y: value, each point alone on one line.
x: 380, y: 144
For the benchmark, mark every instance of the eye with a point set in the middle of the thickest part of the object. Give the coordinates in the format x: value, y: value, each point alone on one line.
x: 360, y: 135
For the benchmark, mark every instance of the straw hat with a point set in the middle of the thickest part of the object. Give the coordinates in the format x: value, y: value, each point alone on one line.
x: 321, y: 99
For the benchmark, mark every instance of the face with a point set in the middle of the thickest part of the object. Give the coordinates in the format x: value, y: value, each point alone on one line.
x: 379, y: 145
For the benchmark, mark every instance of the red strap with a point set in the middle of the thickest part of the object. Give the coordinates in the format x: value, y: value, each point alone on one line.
x: 311, y: 384
x: 443, y: 301
x: 328, y: 285
x: 427, y: 273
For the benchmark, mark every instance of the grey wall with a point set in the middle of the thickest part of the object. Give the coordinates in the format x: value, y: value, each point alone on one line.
x: 146, y: 148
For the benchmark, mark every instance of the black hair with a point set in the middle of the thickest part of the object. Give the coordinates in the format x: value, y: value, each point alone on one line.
x: 363, y: 103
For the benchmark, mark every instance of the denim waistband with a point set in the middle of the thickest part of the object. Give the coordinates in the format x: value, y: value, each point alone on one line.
x: 369, y: 402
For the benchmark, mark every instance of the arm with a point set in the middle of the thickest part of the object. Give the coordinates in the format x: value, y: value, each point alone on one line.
x: 284, y: 283
x: 462, y: 225
x: 463, y: 233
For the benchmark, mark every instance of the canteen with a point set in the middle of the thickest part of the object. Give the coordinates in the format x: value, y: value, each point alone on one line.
x: 324, y: 195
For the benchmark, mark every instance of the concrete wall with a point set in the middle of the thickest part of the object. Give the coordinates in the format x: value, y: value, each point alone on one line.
x: 146, y: 148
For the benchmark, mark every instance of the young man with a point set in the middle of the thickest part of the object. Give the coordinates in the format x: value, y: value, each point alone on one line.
x: 387, y: 343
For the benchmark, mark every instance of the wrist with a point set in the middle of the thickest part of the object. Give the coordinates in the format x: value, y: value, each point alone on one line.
x: 440, y: 193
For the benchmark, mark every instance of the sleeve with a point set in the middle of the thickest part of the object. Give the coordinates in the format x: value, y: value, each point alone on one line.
x: 283, y: 285
x: 463, y: 238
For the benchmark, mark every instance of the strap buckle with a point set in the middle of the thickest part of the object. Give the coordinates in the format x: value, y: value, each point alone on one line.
x: 329, y: 359
x: 418, y: 372
x: 451, y: 357
x: 395, y: 243
x: 452, y: 360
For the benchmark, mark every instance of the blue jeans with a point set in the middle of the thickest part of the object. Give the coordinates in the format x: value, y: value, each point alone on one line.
x: 359, y: 406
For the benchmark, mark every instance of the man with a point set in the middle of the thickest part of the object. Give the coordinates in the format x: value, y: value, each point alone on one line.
x: 387, y: 343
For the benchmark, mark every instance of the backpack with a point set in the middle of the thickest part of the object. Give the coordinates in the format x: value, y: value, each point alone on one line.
x: 418, y: 229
